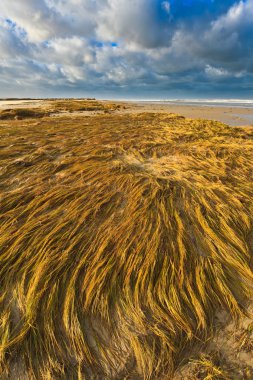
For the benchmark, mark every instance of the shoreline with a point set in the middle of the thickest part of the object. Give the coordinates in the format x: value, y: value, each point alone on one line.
x: 233, y: 116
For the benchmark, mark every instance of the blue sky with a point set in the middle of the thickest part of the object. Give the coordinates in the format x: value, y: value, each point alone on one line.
x: 145, y: 49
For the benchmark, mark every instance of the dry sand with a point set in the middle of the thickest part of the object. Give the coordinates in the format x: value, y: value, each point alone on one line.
x: 9, y: 104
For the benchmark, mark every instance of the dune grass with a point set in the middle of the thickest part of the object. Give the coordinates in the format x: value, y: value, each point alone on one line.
x: 82, y: 105
x: 121, y: 236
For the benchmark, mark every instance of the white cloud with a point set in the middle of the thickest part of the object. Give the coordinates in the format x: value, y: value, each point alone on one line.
x: 43, y: 20
x: 166, y: 6
x: 135, y: 22
x: 216, y: 72
x: 238, y: 16
x: 10, y: 44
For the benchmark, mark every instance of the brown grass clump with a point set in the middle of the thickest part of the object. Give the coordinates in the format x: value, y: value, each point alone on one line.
x: 209, y: 368
x: 120, y: 238
x: 22, y: 113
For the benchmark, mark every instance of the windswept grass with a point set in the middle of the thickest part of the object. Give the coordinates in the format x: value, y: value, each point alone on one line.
x: 120, y: 238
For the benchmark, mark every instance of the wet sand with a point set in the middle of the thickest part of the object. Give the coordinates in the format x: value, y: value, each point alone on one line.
x: 233, y: 116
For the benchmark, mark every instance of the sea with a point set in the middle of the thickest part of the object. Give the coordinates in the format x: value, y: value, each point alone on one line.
x: 240, y: 103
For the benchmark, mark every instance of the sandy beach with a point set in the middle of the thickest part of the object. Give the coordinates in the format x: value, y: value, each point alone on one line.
x: 233, y: 116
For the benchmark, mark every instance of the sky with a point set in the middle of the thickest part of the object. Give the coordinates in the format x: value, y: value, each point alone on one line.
x: 129, y: 49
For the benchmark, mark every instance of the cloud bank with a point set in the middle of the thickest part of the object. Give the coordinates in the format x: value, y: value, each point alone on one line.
x: 134, y: 48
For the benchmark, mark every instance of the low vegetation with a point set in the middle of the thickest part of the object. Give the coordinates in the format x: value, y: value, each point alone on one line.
x: 121, y: 237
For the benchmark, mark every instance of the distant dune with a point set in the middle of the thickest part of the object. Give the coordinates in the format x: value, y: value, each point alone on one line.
x: 126, y: 244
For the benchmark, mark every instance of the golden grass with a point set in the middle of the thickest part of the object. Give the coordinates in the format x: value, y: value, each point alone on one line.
x: 208, y: 368
x: 120, y: 237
